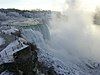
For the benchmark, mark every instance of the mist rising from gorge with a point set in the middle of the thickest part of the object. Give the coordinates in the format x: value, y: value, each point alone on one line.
x: 74, y: 33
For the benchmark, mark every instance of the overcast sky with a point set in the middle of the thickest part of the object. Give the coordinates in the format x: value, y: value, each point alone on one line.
x: 58, y: 5
x: 32, y: 4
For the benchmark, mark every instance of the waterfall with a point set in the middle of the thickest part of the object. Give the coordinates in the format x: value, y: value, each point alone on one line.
x: 34, y: 37
x: 40, y: 28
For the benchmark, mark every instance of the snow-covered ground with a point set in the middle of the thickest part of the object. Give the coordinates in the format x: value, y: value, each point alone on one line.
x: 9, y: 31
x: 6, y: 73
x: 6, y: 55
x: 1, y: 41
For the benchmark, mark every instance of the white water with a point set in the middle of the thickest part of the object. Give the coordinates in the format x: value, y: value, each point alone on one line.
x: 74, y: 35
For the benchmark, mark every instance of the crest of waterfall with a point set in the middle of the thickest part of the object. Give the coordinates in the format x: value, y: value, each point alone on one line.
x: 43, y: 29
x: 34, y: 37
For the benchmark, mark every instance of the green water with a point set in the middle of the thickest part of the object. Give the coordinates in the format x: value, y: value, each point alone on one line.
x: 39, y: 27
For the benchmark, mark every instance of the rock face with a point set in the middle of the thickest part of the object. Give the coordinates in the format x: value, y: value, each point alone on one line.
x: 17, y: 56
x: 27, y: 56
x: 24, y: 61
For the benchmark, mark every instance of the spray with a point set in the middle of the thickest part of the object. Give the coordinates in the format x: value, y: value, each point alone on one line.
x: 73, y: 34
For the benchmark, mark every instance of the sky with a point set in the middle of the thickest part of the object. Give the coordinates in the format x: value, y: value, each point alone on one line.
x: 32, y: 4
x: 58, y: 5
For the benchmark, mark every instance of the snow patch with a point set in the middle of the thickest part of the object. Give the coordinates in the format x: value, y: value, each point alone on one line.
x: 7, y: 73
x: 9, y: 31
x: 6, y: 55
x: 2, y: 41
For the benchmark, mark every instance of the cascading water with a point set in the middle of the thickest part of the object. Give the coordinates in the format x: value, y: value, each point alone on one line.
x: 39, y: 27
